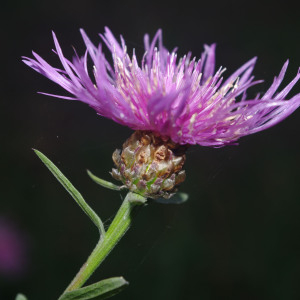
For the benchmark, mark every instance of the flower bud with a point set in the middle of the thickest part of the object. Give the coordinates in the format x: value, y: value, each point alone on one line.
x: 150, y: 164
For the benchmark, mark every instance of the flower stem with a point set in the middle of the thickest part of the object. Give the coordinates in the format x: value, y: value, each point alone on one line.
x: 116, y: 230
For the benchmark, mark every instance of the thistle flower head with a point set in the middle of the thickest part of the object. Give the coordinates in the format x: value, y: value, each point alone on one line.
x: 184, y: 99
x: 150, y: 165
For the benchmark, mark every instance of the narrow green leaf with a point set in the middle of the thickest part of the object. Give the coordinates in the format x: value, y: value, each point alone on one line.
x: 72, y: 191
x: 178, y: 198
x: 104, y: 183
x: 101, y: 290
x: 21, y: 297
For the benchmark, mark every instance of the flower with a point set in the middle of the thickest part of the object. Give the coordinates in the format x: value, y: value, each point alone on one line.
x: 13, y: 250
x: 185, y: 100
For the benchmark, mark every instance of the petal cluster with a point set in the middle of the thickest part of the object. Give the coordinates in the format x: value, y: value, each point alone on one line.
x: 184, y: 99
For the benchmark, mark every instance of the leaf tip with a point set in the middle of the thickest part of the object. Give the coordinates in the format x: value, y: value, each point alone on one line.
x: 124, y: 281
x: 20, y: 297
x: 37, y: 152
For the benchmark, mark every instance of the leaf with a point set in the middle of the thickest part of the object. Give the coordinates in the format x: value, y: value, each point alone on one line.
x: 101, y: 290
x: 21, y: 297
x: 104, y: 183
x: 178, y: 198
x: 72, y: 191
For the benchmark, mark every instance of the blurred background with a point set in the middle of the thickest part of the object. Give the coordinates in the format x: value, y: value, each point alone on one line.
x: 238, y: 235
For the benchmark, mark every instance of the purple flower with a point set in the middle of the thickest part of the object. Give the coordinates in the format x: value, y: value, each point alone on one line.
x: 13, y: 250
x: 185, y: 99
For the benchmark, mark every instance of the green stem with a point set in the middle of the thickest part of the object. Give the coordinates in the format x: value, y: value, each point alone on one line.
x: 116, y: 230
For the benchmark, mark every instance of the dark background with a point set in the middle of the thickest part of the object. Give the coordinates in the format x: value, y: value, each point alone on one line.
x: 238, y: 235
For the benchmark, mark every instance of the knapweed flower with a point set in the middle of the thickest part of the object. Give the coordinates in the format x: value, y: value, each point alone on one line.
x: 185, y: 99
x: 171, y: 102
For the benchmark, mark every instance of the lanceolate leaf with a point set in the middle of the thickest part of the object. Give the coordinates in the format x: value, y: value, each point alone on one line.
x: 101, y: 290
x: 104, y: 183
x: 72, y: 191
